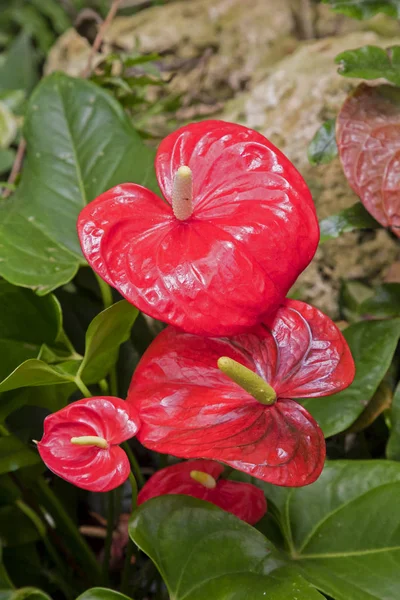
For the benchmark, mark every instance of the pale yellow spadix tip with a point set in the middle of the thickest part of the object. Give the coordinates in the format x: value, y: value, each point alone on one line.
x: 182, y: 193
x: 184, y: 172
x: 204, y: 478
x: 90, y: 440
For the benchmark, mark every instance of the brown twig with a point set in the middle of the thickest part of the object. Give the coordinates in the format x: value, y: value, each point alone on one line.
x: 16, y: 166
x: 99, y: 37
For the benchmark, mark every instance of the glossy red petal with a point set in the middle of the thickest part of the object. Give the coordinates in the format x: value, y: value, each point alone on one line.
x: 313, y: 357
x: 368, y: 137
x: 252, y: 232
x: 89, y: 467
x: 249, y: 189
x: 189, y: 408
x: 244, y: 500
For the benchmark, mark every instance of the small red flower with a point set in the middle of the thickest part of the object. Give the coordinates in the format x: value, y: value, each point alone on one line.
x: 189, y: 407
x: 80, y: 442
x: 237, y: 228
x: 199, y: 478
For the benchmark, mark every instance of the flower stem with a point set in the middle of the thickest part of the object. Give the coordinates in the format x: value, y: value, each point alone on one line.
x: 82, y: 387
x: 252, y: 383
x: 134, y: 464
x: 105, y: 291
x: 52, y: 552
x: 109, y: 538
x: 67, y: 528
x: 130, y: 547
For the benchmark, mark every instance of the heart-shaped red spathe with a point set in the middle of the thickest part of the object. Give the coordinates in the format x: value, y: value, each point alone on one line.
x: 189, y: 408
x: 90, y: 467
x: 244, y: 500
x: 368, y: 138
x: 252, y: 232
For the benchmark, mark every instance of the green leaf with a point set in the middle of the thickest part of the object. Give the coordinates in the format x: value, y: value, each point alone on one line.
x: 50, y: 397
x: 35, y: 372
x: 385, y: 302
x: 323, y: 148
x: 99, y: 593
x: 5, y: 582
x: 80, y: 143
x: 365, y: 9
x: 371, y: 62
x: 372, y: 344
x: 18, y: 72
x: 350, y: 219
x: 14, y: 454
x: 26, y: 322
x: 343, y: 531
x: 393, y: 445
x: 108, y: 330
x: 204, y: 552
x: 27, y: 593
x: 55, y: 12
x: 7, y: 158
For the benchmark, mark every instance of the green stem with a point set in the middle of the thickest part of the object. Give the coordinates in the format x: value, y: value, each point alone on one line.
x: 105, y: 291
x: 68, y: 530
x: 130, y: 547
x: 134, y: 464
x: 82, y: 387
x: 134, y: 489
x: 52, y: 552
x: 107, y: 297
x: 109, y: 538
x: 127, y: 567
x: 252, y: 383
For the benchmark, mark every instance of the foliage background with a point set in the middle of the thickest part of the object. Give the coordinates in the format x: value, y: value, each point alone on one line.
x: 162, y: 64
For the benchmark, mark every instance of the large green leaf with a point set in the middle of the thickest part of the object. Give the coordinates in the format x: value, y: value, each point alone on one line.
x: 365, y: 9
x: 35, y: 372
x: 25, y: 593
x: 99, y: 593
x: 371, y: 62
x: 393, y: 446
x: 350, y: 219
x: 26, y: 322
x: 14, y: 454
x: 108, y: 330
x: 18, y: 72
x: 80, y: 143
x: 372, y: 344
x: 51, y: 397
x: 323, y: 148
x: 204, y: 552
x: 343, y: 531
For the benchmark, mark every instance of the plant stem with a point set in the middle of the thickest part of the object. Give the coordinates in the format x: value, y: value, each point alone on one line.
x: 52, y: 552
x: 85, y: 390
x: 100, y: 35
x: 68, y: 530
x: 134, y: 464
x: 105, y: 291
x: 16, y: 166
x: 109, y: 538
x: 130, y: 547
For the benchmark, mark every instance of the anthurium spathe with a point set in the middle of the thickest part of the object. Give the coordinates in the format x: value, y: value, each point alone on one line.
x: 234, y: 400
x: 80, y: 442
x: 202, y: 479
x: 237, y: 228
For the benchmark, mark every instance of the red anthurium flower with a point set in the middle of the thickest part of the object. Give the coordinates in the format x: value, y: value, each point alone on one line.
x: 232, y: 399
x: 80, y: 442
x: 200, y: 478
x: 236, y: 230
